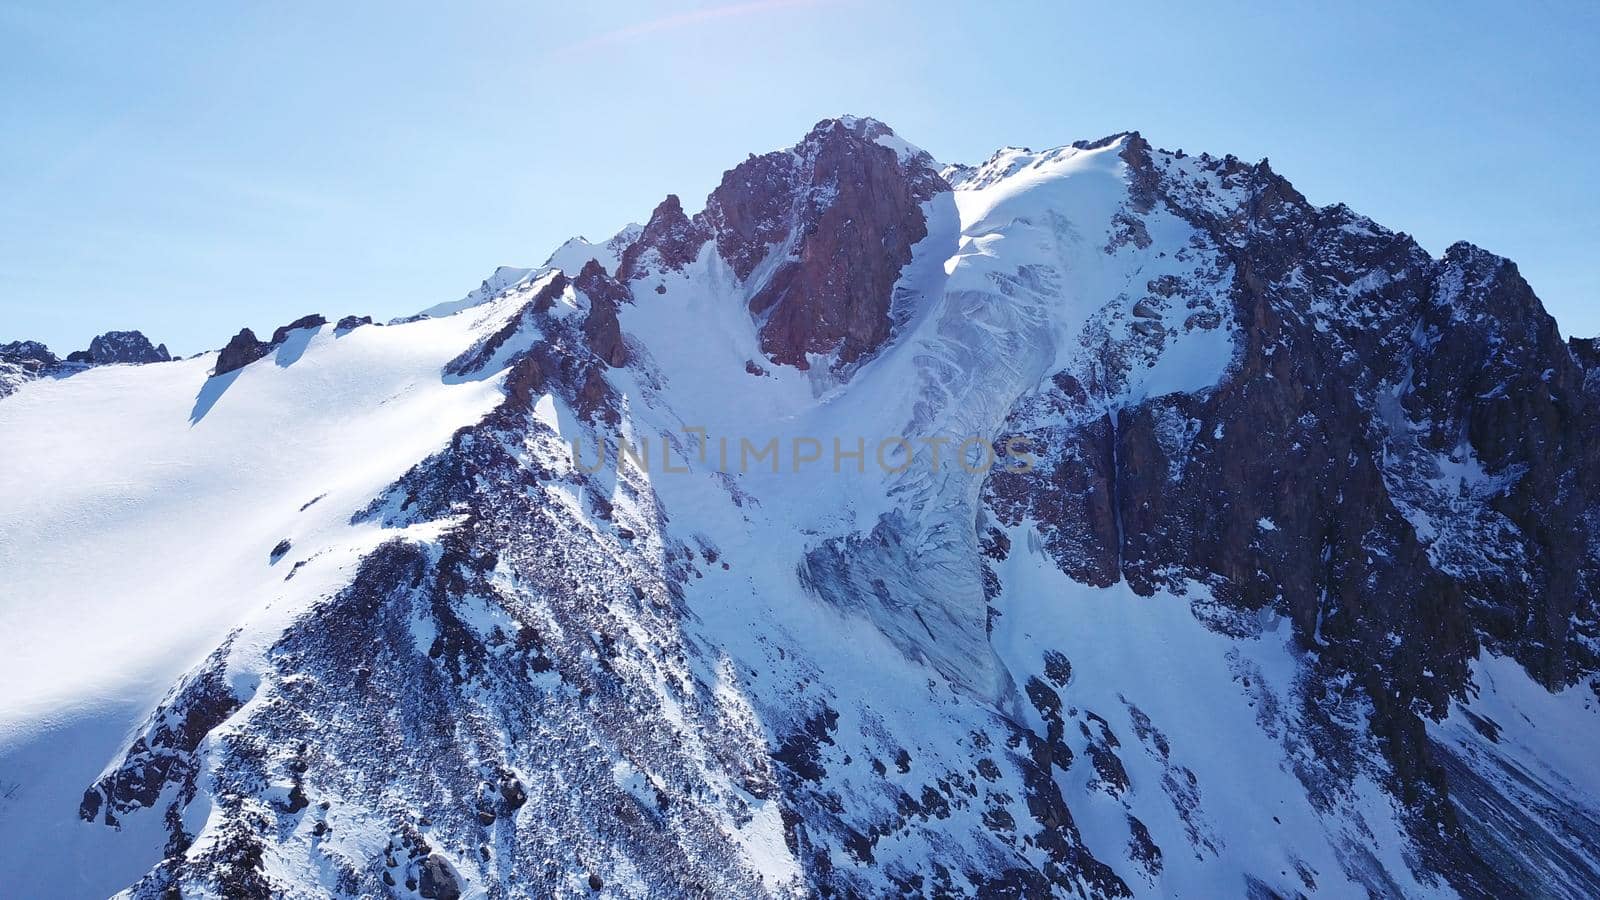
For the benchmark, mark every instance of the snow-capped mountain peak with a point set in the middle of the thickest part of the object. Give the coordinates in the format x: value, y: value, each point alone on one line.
x: 1094, y: 521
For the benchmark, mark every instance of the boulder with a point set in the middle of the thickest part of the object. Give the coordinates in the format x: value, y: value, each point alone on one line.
x: 241, y: 351
x: 438, y: 879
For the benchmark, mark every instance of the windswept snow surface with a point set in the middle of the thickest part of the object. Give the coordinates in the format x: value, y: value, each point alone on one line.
x: 140, y: 507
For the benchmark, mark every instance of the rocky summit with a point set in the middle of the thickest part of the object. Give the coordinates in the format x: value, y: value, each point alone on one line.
x: 121, y: 347
x: 22, y: 361
x: 1099, y: 521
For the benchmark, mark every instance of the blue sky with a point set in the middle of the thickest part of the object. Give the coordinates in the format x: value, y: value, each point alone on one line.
x: 191, y: 168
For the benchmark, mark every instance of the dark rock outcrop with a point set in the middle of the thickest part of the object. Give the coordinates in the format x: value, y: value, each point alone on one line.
x: 526, y: 380
x: 245, y: 348
x: 542, y: 352
x: 601, y: 328
x: 163, y: 753
x: 128, y: 347
x: 311, y: 321
x: 32, y: 354
x: 545, y: 299
x: 474, y: 360
x: 438, y: 879
x: 1586, y: 351
x: 239, y: 352
x: 843, y: 210
x: 750, y: 211
x: 23, y: 361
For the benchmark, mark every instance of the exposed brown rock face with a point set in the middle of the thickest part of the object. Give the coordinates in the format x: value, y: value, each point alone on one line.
x: 545, y: 299
x: 600, y: 328
x: 669, y: 241
x: 525, y: 381
x: 843, y: 211
x: 819, y: 232
x: 750, y: 210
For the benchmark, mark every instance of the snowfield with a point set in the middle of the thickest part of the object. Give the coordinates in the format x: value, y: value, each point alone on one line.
x: 142, y: 504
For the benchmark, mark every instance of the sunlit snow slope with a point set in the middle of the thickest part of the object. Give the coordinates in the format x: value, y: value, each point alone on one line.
x: 141, y: 506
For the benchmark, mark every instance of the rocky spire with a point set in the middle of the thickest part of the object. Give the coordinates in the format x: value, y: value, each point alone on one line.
x: 601, y: 327
x: 669, y: 241
x: 836, y: 216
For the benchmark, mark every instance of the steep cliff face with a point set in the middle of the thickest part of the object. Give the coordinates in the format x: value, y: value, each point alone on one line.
x: 1397, y: 461
x: 825, y: 229
x: 667, y: 243
x: 1377, y: 392
x: 1281, y: 579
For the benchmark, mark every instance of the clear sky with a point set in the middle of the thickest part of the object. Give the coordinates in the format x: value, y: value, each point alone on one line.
x: 189, y: 168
